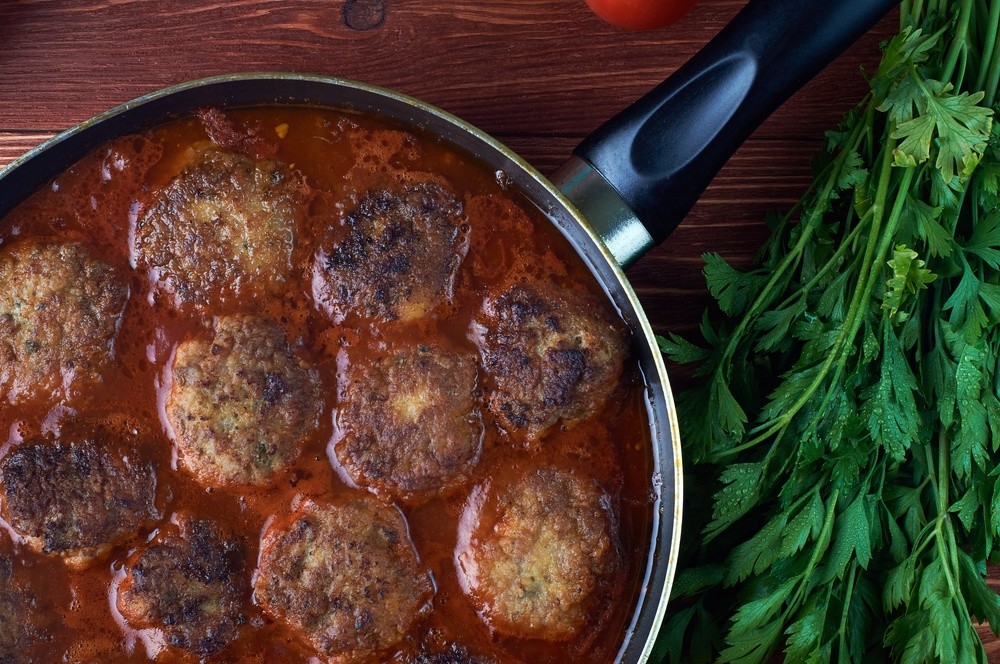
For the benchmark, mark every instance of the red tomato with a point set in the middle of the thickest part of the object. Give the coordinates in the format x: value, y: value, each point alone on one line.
x: 641, y: 14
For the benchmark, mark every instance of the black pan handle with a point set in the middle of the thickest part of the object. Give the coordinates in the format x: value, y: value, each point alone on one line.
x: 661, y: 152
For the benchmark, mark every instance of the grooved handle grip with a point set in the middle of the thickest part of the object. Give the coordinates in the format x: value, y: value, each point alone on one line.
x: 660, y: 153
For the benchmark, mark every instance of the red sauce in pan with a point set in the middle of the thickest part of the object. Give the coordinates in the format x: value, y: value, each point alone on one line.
x: 96, y: 202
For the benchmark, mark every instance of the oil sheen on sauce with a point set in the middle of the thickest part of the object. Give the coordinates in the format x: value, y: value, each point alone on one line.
x: 97, y: 200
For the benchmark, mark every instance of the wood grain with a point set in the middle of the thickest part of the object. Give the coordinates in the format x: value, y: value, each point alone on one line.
x: 541, y: 66
x: 538, y: 74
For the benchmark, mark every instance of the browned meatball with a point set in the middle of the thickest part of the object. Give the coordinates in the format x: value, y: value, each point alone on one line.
x: 345, y: 575
x: 22, y: 622
x: 192, y: 582
x: 76, y: 499
x: 242, y: 403
x: 398, y: 255
x: 553, y: 355
x: 59, y: 313
x: 452, y: 654
x: 538, y: 554
x: 410, y: 422
x: 224, y: 227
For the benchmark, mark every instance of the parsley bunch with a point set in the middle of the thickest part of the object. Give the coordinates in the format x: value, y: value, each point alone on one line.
x: 842, y: 441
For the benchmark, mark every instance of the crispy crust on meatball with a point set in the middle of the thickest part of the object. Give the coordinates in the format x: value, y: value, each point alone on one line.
x: 59, y: 314
x: 76, y: 499
x: 553, y: 355
x: 224, y: 227
x: 399, y: 256
x: 538, y: 554
x: 452, y: 654
x: 242, y: 403
x: 345, y: 575
x: 410, y: 422
x: 192, y: 582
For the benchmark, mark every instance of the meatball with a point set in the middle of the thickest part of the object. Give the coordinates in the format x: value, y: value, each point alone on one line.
x: 552, y: 355
x: 453, y: 654
x: 224, y: 227
x: 59, y: 314
x: 192, y: 583
x: 242, y: 404
x: 22, y: 623
x: 399, y: 257
x: 76, y: 499
x: 410, y: 422
x: 345, y: 575
x: 539, y: 552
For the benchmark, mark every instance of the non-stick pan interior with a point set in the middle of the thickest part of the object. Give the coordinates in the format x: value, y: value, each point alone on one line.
x: 37, y: 167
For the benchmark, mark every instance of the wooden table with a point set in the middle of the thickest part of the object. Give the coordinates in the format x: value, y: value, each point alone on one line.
x: 537, y: 74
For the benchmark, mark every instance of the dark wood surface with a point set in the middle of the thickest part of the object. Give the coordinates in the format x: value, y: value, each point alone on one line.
x: 537, y: 74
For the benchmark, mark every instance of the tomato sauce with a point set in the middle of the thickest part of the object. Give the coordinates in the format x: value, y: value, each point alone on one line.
x: 341, y: 154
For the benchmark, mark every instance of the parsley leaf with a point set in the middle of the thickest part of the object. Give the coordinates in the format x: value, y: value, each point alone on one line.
x: 843, y: 438
x: 908, y: 276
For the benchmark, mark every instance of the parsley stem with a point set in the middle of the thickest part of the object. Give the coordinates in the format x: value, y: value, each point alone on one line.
x: 822, y: 200
x: 959, y: 42
x: 831, y: 263
x: 906, y: 10
x: 942, y: 547
x: 993, y: 78
x: 944, y: 473
x: 848, y: 594
x: 990, y: 46
x: 932, y: 472
x: 878, y: 244
x: 952, y: 549
x: 946, y: 548
x: 924, y: 539
x: 825, y: 534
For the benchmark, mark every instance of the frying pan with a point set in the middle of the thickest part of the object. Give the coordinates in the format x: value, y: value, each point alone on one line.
x: 625, y: 188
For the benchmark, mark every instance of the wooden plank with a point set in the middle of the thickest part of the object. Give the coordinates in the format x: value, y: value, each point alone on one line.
x: 14, y: 144
x: 511, y: 66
